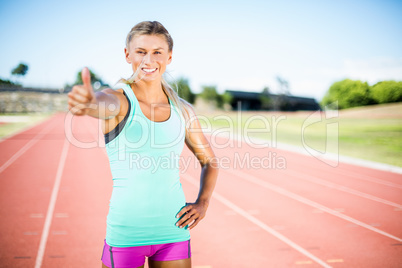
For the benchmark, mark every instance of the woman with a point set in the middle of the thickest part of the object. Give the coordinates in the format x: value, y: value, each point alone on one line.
x: 146, y: 124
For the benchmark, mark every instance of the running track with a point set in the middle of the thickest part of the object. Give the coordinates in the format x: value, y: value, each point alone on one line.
x: 54, y: 201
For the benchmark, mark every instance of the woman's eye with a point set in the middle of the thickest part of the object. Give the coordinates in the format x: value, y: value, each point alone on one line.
x: 140, y: 52
x: 157, y: 52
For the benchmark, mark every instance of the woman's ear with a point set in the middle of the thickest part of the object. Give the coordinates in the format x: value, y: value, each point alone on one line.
x: 170, y: 57
x: 127, y: 55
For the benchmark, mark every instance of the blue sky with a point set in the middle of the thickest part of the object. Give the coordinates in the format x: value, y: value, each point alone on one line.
x: 238, y: 45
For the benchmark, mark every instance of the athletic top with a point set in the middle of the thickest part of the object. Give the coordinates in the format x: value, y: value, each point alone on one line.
x: 147, y: 193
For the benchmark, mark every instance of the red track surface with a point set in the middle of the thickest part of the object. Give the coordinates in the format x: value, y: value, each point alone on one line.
x: 54, y: 201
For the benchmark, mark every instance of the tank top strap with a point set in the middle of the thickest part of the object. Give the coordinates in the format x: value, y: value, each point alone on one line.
x: 126, y: 120
x: 131, y: 98
x: 129, y: 92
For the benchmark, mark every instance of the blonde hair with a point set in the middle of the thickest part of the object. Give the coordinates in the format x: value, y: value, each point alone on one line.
x: 156, y: 28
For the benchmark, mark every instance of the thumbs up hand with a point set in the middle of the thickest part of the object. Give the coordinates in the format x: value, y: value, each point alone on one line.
x: 82, y: 96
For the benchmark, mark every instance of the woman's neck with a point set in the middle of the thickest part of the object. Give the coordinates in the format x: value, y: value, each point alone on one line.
x: 149, y: 92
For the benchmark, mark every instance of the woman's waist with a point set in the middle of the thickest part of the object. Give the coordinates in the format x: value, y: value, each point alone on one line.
x: 145, y: 207
x: 146, y: 191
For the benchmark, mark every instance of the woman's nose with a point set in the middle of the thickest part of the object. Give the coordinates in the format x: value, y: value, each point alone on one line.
x: 147, y: 58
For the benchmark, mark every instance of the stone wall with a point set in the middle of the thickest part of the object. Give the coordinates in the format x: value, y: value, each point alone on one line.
x: 27, y: 102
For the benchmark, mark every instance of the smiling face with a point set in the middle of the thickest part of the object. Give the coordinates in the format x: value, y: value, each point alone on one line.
x: 151, y: 54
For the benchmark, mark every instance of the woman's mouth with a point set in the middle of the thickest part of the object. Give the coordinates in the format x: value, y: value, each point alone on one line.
x: 149, y: 71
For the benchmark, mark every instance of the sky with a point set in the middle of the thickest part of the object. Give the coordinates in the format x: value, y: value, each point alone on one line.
x: 235, y: 45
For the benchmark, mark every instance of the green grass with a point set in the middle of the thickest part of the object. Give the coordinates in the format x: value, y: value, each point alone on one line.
x: 23, y: 121
x: 367, y: 136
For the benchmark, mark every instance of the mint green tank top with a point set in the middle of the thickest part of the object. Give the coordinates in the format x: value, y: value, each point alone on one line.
x: 147, y: 193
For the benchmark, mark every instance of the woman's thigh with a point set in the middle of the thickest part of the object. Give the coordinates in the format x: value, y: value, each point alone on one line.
x: 184, y: 263
x: 171, y: 255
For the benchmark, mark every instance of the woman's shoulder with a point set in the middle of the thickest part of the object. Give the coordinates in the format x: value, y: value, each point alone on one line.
x: 118, y: 90
x: 124, y: 101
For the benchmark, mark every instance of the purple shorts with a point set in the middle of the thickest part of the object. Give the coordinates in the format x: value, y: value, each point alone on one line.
x: 131, y: 257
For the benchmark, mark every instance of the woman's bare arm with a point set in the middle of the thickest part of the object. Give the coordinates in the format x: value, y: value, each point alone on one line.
x: 199, y: 145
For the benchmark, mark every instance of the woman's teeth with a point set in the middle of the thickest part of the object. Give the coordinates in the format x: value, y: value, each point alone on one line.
x: 149, y: 70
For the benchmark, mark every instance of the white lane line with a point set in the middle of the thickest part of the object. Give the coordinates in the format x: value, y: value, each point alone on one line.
x: 318, y: 211
x: 279, y: 227
x: 368, y: 178
x: 341, y: 188
x: 301, y: 150
x: 340, y: 210
x: 272, y: 187
x: 253, y: 211
x: 334, y: 260
x: 52, y: 203
x: 25, y: 148
x: 345, y: 159
x: 259, y: 223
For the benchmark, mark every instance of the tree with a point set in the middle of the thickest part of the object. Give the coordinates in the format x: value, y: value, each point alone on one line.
x: 7, y: 83
x: 387, y: 91
x: 265, y: 99
x: 348, y: 93
x: 20, y: 70
x: 226, y: 98
x: 184, y: 90
x: 209, y: 93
